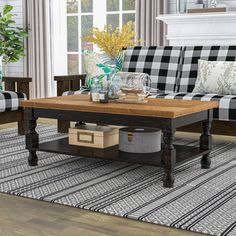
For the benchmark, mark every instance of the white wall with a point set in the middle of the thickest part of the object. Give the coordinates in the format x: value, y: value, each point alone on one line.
x: 16, y: 69
x: 230, y: 3
x: 59, y: 37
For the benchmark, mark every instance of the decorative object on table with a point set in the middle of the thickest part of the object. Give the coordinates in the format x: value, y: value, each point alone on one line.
x: 94, y: 136
x: 114, y: 86
x: 95, y: 89
x: 139, y: 140
x: 103, y: 95
x: 90, y: 61
x: 108, y: 79
x: 112, y: 42
x: 11, y: 39
x: 134, y: 87
x: 1, y: 88
x: 216, y: 77
x: 116, y: 63
x: 94, y: 65
x: 100, y: 66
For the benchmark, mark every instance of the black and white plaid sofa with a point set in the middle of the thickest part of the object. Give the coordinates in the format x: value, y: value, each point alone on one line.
x: 173, y: 72
x: 10, y: 101
x: 16, y: 90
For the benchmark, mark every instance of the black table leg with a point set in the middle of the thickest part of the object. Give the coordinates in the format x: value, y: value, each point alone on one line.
x: 32, y: 139
x: 168, y: 158
x: 206, y: 143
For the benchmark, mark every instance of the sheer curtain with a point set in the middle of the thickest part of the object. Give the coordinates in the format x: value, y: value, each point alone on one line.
x: 39, y: 58
x: 151, y: 31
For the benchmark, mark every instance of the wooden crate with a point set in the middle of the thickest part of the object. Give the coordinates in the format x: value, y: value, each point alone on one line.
x: 94, y: 136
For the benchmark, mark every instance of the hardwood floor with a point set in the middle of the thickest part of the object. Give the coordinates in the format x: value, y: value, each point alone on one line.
x: 27, y: 217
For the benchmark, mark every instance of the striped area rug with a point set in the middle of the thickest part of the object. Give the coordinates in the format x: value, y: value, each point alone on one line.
x: 201, y: 201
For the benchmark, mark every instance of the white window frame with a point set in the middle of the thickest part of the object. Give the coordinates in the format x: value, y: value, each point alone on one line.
x: 60, y: 29
x: 121, y: 12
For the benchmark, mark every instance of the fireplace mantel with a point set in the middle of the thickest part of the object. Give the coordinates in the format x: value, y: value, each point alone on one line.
x: 201, y: 29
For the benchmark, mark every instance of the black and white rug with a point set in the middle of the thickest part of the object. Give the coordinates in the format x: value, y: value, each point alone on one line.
x: 201, y: 201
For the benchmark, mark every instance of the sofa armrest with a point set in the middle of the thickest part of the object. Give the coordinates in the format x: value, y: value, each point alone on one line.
x: 69, y: 83
x: 17, y: 84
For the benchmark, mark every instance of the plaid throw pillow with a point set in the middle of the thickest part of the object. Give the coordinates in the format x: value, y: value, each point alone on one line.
x: 192, y: 54
x: 161, y: 63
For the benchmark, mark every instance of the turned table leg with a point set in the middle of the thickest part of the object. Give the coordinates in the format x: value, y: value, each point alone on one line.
x: 32, y: 139
x: 63, y: 126
x: 168, y: 158
x: 206, y: 144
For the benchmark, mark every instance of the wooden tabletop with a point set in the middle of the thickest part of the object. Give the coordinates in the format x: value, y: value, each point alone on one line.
x: 167, y: 108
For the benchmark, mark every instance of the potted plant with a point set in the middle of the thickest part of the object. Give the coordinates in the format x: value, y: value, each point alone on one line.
x: 11, y: 38
x: 112, y: 42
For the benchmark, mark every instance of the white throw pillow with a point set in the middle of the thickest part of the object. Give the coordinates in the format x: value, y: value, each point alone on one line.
x: 90, y: 61
x: 216, y: 77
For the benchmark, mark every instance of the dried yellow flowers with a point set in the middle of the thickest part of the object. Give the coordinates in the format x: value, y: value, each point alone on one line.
x: 113, y: 41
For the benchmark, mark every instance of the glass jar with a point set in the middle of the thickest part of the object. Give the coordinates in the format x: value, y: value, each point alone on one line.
x: 134, y: 87
x: 136, y: 83
x: 95, y: 89
x: 103, y: 95
x: 114, y: 87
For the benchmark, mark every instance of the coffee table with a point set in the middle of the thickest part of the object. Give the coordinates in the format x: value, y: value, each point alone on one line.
x: 168, y: 115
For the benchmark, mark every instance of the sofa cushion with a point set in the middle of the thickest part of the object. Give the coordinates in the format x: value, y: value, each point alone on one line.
x: 10, y: 101
x: 227, y: 103
x: 191, y: 55
x: 216, y: 77
x: 161, y: 63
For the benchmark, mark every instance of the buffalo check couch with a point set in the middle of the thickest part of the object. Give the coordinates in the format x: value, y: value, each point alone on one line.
x: 16, y: 90
x: 173, y: 72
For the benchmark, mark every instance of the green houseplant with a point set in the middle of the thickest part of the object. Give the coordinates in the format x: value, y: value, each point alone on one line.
x: 11, y: 38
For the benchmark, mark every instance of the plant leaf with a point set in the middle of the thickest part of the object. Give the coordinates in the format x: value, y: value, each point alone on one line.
x: 7, y: 9
x: 11, y: 37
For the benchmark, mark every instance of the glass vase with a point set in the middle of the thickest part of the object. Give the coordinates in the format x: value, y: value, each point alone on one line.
x: 181, y: 6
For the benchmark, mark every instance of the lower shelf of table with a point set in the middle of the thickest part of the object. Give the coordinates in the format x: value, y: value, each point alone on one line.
x: 183, y: 153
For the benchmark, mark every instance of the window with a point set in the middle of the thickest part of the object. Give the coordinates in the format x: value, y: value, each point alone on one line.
x: 119, y: 12
x: 82, y: 15
x: 79, y: 22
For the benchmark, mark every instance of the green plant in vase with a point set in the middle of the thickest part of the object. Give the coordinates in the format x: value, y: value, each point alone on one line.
x: 112, y: 42
x: 11, y: 38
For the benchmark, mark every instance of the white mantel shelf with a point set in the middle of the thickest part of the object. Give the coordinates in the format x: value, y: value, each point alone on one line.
x: 201, y: 29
